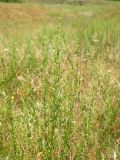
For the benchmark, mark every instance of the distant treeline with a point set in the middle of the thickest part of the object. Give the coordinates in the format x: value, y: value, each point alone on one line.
x: 16, y: 1
x: 49, y: 1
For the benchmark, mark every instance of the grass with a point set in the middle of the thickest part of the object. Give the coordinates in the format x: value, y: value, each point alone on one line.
x: 59, y: 82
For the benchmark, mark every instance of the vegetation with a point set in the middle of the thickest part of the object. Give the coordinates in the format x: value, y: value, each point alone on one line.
x: 59, y: 82
x: 76, y: 2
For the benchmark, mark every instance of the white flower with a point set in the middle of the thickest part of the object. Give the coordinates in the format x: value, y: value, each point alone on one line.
x: 5, y: 49
x: 84, y: 59
x: 74, y: 122
x: 6, y: 158
x: 114, y: 155
x: 109, y: 71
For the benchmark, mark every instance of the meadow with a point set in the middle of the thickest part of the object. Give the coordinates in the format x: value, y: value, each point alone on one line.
x: 60, y: 81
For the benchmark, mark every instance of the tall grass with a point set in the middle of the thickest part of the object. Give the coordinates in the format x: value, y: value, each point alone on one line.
x: 59, y: 97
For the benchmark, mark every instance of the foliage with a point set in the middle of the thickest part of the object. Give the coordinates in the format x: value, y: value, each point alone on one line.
x: 60, y: 82
x: 15, y: 1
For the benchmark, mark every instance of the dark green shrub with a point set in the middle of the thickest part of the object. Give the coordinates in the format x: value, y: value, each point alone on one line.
x: 16, y: 1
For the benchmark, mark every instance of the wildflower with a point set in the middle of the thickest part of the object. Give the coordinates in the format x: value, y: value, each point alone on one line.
x: 6, y: 158
x: 5, y: 49
x: 74, y: 122
x: 84, y: 59
x: 56, y: 130
x: 114, y: 155
x: 12, y: 98
x: 38, y: 104
x: 54, y: 50
x: 109, y: 71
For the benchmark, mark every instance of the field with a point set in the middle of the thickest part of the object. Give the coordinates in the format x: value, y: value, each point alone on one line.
x: 60, y: 81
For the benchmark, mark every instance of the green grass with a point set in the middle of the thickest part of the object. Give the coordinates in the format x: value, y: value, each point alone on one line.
x: 60, y: 82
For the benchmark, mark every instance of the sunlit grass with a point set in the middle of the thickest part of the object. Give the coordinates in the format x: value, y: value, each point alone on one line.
x: 60, y: 84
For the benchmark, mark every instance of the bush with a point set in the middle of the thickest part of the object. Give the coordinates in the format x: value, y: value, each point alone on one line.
x: 16, y: 1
